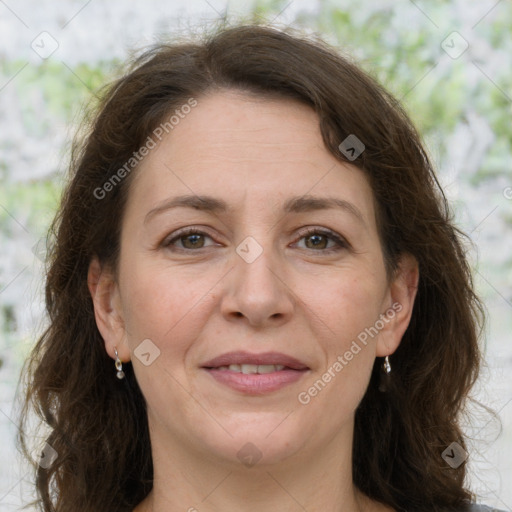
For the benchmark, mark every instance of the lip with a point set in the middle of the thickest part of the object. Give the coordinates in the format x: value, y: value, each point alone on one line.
x: 256, y: 384
x: 242, y: 357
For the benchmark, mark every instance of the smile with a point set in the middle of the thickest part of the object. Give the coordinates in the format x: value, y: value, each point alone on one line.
x: 248, y: 369
x: 255, y: 374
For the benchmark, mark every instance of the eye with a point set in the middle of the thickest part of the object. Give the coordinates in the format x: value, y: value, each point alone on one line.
x: 189, y: 238
x: 318, y: 239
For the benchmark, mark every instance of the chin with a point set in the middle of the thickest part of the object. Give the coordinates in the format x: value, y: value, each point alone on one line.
x: 258, y: 441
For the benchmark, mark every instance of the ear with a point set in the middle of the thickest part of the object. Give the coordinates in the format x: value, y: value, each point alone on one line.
x: 107, y: 309
x: 400, y: 303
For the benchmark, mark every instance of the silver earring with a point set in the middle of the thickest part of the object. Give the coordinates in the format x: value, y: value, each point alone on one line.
x: 119, y: 366
x: 385, y: 377
x: 386, y: 365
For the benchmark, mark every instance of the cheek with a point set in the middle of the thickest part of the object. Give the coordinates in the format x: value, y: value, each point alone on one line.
x: 165, y: 305
x: 347, y: 310
x: 350, y: 303
x: 348, y: 306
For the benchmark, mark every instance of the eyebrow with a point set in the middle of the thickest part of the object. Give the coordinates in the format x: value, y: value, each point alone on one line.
x: 299, y: 204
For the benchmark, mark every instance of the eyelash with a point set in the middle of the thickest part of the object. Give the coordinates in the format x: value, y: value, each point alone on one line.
x: 341, y: 244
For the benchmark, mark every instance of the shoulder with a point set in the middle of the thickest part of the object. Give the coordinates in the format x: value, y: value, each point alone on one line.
x: 474, y: 507
x: 469, y: 507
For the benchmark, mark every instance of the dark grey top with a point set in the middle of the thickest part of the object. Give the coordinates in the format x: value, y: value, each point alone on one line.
x: 480, y: 508
x: 473, y: 507
x: 483, y: 508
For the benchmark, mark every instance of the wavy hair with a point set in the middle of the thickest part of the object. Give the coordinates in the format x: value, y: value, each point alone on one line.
x: 70, y: 383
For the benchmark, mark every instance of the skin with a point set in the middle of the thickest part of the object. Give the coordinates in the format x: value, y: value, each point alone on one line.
x: 295, y: 298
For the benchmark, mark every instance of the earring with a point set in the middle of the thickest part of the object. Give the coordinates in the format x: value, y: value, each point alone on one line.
x: 119, y: 366
x: 386, y: 365
x: 385, y: 377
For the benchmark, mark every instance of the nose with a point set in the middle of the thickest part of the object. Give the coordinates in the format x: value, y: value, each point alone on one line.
x: 258, y: 291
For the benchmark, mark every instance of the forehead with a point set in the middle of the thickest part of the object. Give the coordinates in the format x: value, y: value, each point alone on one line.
x: 236, y: 126
x: 248, y: 150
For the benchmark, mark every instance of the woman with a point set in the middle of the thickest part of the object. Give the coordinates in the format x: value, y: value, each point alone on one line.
x: 257, y: 298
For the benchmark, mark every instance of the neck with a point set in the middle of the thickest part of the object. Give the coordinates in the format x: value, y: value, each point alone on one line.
x: 312, y: 479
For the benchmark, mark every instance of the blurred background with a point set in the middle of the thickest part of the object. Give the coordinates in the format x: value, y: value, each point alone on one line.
x: 447, y: 61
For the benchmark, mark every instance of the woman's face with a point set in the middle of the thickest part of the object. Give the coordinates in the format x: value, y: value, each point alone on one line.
x: 283, y: 275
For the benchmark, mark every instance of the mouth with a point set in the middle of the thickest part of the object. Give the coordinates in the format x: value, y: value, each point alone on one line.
x: 251, y: 369
x: 255, y: 374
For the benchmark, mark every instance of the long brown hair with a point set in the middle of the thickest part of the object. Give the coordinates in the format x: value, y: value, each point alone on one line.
x: 98, y: 425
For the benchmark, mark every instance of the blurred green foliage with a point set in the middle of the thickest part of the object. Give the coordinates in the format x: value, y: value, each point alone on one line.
x: 60, y: 87
x: 399, y: 44
x: 32, y: 199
